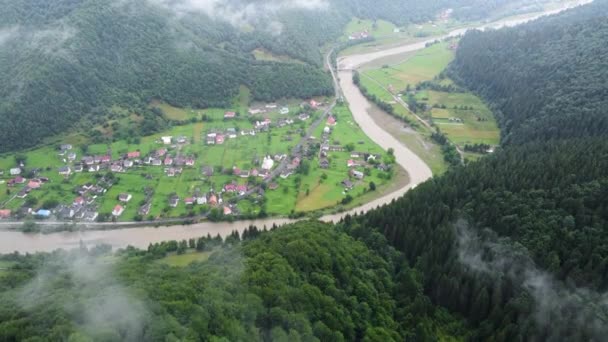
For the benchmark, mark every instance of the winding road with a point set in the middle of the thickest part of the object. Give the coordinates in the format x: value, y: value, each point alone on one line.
x: 141, y: 237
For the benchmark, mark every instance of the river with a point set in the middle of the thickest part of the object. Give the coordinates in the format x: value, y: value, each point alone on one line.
x: 418, y: 171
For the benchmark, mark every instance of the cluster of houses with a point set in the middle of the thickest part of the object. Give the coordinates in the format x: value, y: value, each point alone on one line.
x: 359, y: 35
x: 32, y: 184
x: 267, y: 108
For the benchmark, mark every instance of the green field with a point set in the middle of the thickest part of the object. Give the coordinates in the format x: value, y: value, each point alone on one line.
x: 461, y: 116
x: 183, y: 260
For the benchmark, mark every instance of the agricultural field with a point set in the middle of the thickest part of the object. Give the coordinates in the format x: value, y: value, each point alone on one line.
x: 224, y: 170
x: 460, y: 115
x: 183, y: 260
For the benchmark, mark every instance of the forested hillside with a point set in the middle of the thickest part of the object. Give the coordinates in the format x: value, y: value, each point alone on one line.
x: 518, y: 242
x: 547, y: 79
x: 308, y: 282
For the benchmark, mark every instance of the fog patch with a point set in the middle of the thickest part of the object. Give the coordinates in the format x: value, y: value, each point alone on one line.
x: 87, y: 290
x: 8, y: 33
x: 240, y: 14
x: 556, y: 304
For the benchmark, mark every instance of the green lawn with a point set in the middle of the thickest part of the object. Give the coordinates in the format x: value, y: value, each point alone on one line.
x: 183, y: 260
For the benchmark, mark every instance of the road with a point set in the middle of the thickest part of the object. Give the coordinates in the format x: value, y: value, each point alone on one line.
x: 141, y: 237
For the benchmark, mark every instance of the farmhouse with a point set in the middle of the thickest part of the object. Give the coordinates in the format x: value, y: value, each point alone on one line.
x: 331, y: 121
x: 34, y: 184
x: 65, y: 170
x: 268, y: 163
x: 5, y: 213
x: 124, y: 197
x: 347, y: 184
x: 357, y: 174
x: 144, y: 209
x: 134, y: 154
x: 118, y: 210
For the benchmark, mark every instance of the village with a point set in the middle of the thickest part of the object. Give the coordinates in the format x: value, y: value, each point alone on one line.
x: 234, y: 167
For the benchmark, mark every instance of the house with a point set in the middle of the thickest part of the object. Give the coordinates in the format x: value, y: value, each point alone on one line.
x: 255, y: 111
x: 124, y: 197
x: 189, y: 200
x: 181, y: 139
x: 273, y: 186
x: 326, y: 130
x: 351, y: 163
x: 324, y: 163
x: 66, y: 213
x: 284, y: 111
x: 347, y: 184
x: 244, y: 173
x: 210, y: 140
x: 255, y: 172
x: 229, y: 115
x: 201, y: 199
x: 314, y: 104
x: 173, y: 201
x: 144, y: 209
x: 88, y: 160
x: 79, y: 200
x: 94, y: 168
x: 268, y: 163
x: 127, y: 163
x: 213, y: 200
x: 116, y: 168
x: 168, y: 161
x: 65, y: 170
x: 134, y: 154
x: 295, y: 162
x: 157, y: 162
x: 105, y: 159
x: 271, y: 106
x: 331, y: 121
x: 15, y: 171
x: 230, y: 187
x: 227, y: 211
x: 90, y: 215
x: 166, y: 140
x: 161, y: 152
x: 241, y: 189
x: 118, y: 210
x: 357, y: 174
x: 22, y: 193
x: 43, y: 213
x: 189, y: 161
x: 78, y: 168
x: 236, y: 171
x: 219, y: 139
x: 71, y: 156
x: 207, y: 171
x: 65, y: 147
x: 304, y: 116
x: 5, y: 213
x: 34, y: 184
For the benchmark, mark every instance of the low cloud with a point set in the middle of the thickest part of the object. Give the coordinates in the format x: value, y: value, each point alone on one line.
x: 556, y: 305
x: 239, y: 13
x: 87, y: 290
x: 8, y: 33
